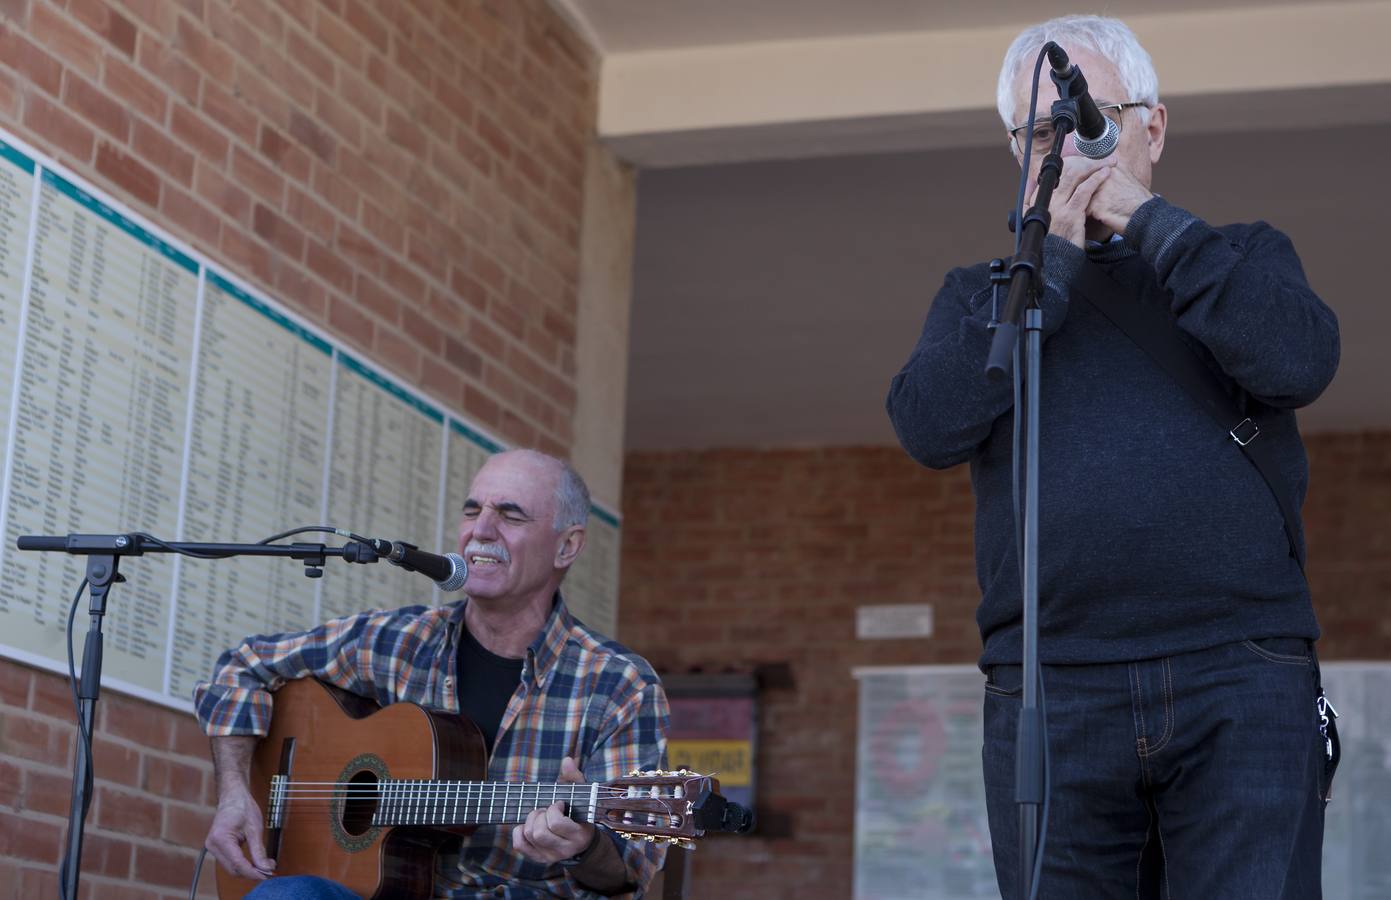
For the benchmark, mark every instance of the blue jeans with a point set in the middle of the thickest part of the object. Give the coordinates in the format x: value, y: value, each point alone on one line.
x: 1197, y: 775
x: 301, y: 887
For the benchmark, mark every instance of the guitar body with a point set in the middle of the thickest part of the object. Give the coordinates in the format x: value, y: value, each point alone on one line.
x: 320, y: 734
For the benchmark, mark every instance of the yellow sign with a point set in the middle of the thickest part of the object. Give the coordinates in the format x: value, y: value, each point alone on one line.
x: 729, y: 761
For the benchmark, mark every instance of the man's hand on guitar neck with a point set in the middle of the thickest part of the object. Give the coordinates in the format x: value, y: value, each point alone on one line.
x: 549, y: 836
x: 237, y: 822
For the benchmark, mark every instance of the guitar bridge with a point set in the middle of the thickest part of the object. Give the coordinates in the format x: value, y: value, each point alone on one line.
x: 275, y: 808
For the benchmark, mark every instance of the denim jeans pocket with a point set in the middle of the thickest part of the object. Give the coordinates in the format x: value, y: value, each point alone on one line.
x: 1283, y: 650
x: 1005, y: 681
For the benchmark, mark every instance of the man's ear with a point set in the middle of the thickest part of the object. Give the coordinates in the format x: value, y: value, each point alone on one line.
x: 569, y: 545
x: 1158, y: 124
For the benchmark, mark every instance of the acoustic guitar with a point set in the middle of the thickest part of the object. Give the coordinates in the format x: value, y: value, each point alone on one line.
x: 365, y: 795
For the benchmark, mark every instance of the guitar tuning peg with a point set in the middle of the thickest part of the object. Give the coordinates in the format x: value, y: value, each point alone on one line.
x: 684, y: 844
x: 650, y: 838
x: 636, y: 773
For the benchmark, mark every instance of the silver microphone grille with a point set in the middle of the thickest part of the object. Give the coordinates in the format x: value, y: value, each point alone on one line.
x: 460, y: 575
x: 1100, y: 147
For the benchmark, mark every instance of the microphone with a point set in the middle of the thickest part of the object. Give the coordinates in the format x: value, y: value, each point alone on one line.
x: 449, y: 571
x: 1095, y: 136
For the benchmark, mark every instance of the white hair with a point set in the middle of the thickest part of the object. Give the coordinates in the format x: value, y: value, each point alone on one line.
x: 1111, y: 39
x: 571, y: 498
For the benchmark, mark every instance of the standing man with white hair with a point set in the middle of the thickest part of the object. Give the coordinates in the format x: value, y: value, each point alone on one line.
x: 1176, y: 627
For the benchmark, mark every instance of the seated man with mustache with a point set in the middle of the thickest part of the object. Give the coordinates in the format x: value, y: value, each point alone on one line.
x: 544, y: 689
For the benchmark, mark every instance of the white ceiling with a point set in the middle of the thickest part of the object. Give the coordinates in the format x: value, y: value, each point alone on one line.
x: 628, y: 26
x: 773, y: 300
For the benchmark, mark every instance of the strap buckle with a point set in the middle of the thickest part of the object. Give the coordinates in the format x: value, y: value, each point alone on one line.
x: 1243, y: 434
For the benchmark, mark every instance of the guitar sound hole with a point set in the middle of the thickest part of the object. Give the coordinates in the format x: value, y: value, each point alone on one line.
x: 361, y: 804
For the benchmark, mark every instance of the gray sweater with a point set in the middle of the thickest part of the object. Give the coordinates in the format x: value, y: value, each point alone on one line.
x: 1157, y: 536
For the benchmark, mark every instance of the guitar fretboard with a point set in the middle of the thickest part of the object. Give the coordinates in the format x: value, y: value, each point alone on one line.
x: 437, y: 802
x: 476, y: 802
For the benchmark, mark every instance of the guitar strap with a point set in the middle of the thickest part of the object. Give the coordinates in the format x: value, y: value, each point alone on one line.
x: 1154, y: 331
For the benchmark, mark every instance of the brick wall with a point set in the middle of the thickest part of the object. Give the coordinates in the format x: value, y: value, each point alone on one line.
x: 737, y: 558
x: 408, y: 175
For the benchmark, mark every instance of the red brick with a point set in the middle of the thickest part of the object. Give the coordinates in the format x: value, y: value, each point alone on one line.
x: 129, y: 813
x: 170, y: 69
x: 358, y: 249
x: 340, y: 40
x: 397, y: 352
x: 195, y: 219
x: 350, y: 322
x: 286, y: 156
x: 316, y: 219
x: 303, y: 291
x: 153, y: 146
x: 342, y: 119
x: 424, y: 331
x: 265, y: 17
x: 362, y: 95
x: 25, y: 736
x: 257, y: 177
x: 105, y: 855
x: 96, y: 107
x: 11, y: 783
x: 30, y: 60
x: 115, y: 762
x: 205, y: 52
x: 118, y: 31
x: 186, y: 825
x: 377, y: 300
x: 309, y: 55
x: 68, y: 42
x: 127, y: 85
x: 172, y: 779
x: 47, y: 792
x: 198, y: 133
x: 327, y: 265
x: 223, y: 194
x: 15, y: 681
x: 264, y: 95
x: 9, y: 96
x: 230, y: 113
x: 339, y: 192
x: 385, y: 228
x: 161, y: 15
x: 277, y: 231
x: 37, y: 883
x: 364, y: 20
x: 461, y: 357
x: 137, y: 721
x: 128, y: 173
x: 481, y: 406
x: 442, y: 380
x: 405, y: 133
x: 318, y: 141
x: 30, y: 838
x: 160, y: 866
x: 242, y: 250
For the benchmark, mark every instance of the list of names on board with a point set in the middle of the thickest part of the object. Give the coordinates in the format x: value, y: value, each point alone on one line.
x: 100, y: 422
x: 141, y: 390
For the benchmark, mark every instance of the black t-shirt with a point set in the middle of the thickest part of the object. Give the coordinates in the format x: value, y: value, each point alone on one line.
x: 486, y: 683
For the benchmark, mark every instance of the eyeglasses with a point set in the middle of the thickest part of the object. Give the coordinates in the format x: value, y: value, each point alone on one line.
x: 1043, y: 127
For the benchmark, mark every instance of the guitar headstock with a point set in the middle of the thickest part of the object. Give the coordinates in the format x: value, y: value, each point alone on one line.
x: 672, y: 807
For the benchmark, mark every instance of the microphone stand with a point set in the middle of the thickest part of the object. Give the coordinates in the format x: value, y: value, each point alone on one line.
x: 1025, y: 287
x: 104, y: 552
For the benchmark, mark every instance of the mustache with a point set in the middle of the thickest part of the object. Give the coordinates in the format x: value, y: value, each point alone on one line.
x: 479, y: 548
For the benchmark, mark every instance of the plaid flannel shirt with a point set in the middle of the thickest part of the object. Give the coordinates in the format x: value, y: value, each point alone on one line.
x: 580, y: 695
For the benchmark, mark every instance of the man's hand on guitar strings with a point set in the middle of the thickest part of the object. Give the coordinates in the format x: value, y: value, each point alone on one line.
x: 237, y: 823
x: 549, y: 835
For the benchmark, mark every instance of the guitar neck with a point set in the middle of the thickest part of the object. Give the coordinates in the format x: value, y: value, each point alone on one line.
x: 443, y: 803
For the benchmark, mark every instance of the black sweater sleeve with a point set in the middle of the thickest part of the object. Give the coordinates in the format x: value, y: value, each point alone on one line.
x: 1242, y: 293
x: 941, y: 404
